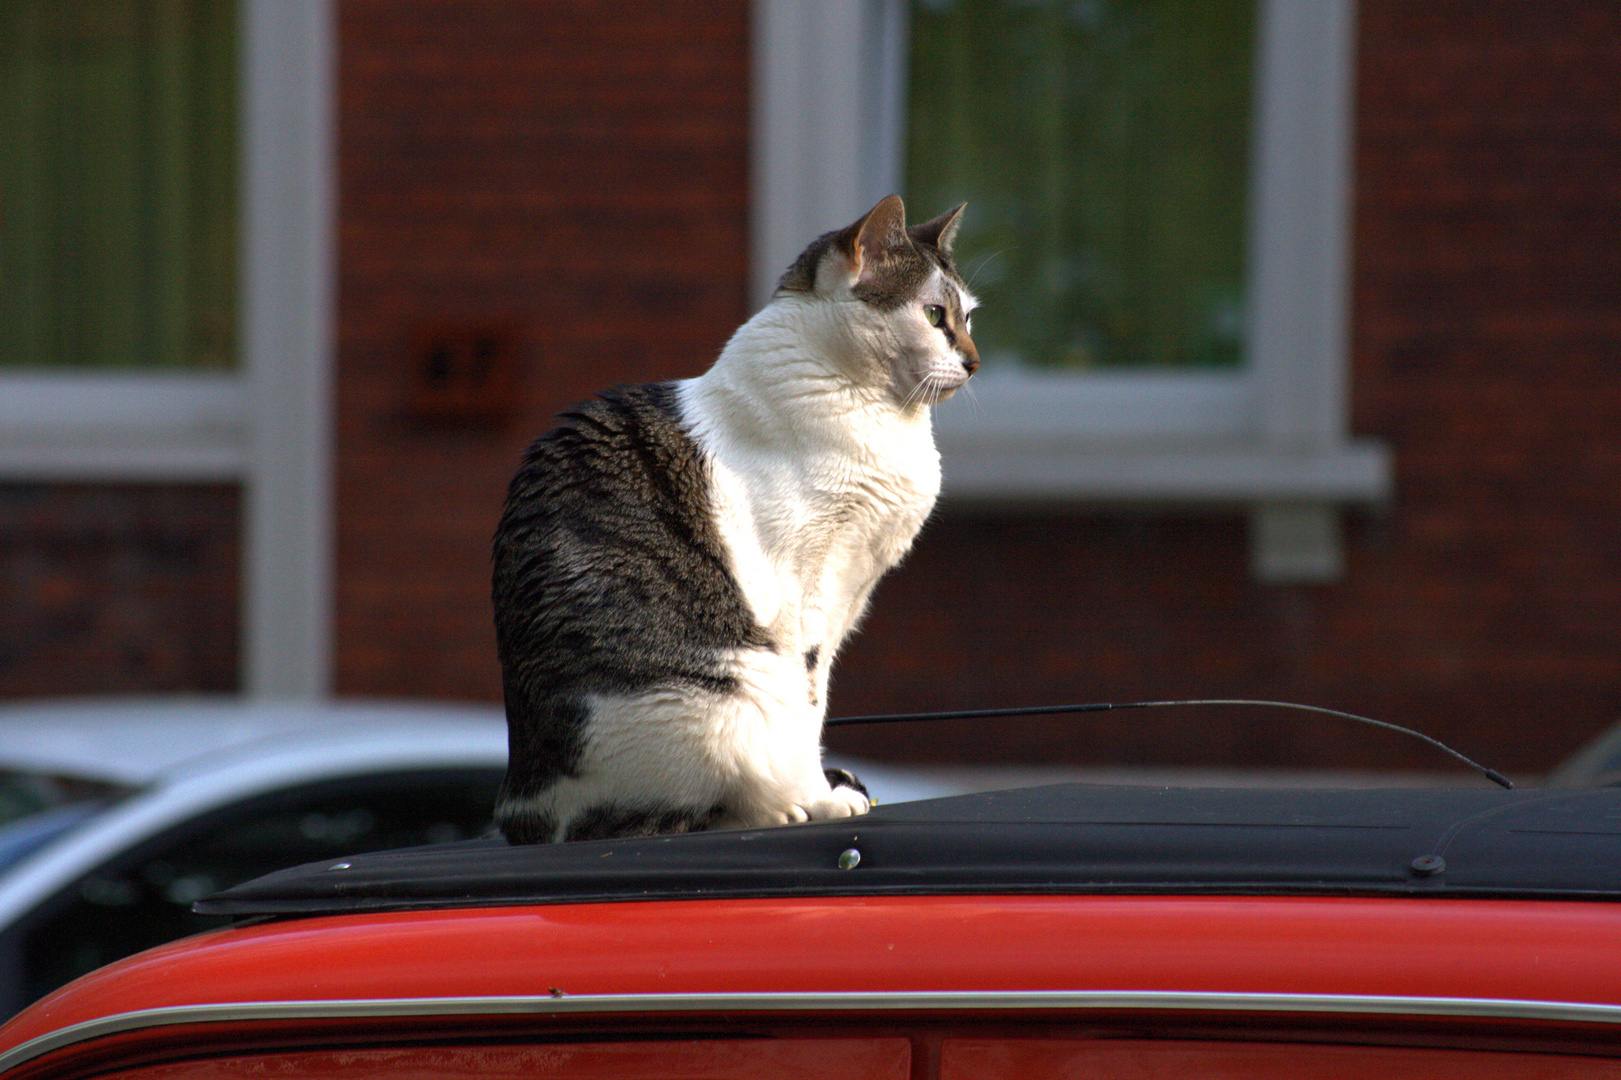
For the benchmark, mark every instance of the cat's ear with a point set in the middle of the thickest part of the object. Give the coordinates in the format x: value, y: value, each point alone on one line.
x: 865, y: 242
x: 939, y: 232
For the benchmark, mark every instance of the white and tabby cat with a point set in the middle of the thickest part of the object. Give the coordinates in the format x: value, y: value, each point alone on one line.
x: 678, y: 563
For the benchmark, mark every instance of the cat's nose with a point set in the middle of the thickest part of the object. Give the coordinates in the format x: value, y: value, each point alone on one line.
x: 970, y: 355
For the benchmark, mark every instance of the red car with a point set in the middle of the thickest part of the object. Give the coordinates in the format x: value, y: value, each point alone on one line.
x: 1061, y: 931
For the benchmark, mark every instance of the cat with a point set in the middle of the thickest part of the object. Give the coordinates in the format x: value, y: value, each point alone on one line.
x: 677, y: 564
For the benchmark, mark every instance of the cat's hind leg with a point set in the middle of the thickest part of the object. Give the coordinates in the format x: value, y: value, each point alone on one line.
x: 678, y: 760
x: 776, y: 777
x: 769, y: 748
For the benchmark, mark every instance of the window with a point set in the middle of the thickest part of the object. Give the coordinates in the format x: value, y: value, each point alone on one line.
x: 1101, y: 402
x: 117, y: 197
x: 165, y: 275
x: 1104, y: 149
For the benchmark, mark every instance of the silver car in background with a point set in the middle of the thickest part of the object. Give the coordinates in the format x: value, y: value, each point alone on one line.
x: 115, y: 815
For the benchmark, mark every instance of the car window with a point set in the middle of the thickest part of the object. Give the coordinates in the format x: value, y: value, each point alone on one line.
x: 24, y: 793
x: 38, y: 807
x: 23, y: 837
x: 144, y: 898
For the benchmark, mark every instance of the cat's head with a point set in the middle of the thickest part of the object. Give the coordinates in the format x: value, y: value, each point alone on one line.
x: 897, y: 311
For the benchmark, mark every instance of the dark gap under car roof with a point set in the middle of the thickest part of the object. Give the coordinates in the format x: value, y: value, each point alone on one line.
x: 1066, y: 838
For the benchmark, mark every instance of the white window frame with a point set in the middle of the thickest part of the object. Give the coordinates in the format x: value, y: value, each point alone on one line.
x: 829, y: 91
x: 266, y: 426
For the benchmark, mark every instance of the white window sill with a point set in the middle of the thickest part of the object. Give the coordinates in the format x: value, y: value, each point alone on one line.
x: 1012, y: 470
x: 94, y: 426
x: 1023, y: 437
x: 1293, y: 497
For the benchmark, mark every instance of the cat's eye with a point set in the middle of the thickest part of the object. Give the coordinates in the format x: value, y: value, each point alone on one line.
x: 934, y: 314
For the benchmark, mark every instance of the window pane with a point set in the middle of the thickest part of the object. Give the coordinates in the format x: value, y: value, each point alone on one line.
x: 1103, y: 148
x: 118, y: 183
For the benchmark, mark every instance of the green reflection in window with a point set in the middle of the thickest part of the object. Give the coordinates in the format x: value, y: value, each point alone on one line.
x: 1103, y: 148
x: 118, y: 178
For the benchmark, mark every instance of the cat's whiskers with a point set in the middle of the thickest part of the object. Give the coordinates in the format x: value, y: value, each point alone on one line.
x: 914, y: 396
x: 984, y: 261
x: 927, y: 392
x: 969, y: 394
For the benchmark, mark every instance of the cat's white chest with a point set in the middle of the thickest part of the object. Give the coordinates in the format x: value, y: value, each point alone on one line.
x: 813, y: 517
x: 810, y: 536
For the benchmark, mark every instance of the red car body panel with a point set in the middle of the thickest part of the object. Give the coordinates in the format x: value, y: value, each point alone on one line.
x: 1513, y: 950
x: 1493, y: 964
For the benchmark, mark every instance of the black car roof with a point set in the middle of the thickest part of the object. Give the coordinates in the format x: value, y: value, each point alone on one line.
x: 1067, y: 838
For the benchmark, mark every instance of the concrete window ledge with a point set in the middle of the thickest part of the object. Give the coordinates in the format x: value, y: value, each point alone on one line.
x: 1294, y: 497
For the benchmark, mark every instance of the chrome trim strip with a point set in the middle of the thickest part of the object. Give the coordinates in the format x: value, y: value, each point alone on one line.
x: 1354, y: 1004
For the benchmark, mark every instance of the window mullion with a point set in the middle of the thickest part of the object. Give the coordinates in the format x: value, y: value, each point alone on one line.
x: 1300, y: 223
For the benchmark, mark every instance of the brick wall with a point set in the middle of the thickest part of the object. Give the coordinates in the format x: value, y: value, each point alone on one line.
x: 110, y: 589
x: 573, y: 181
x: 582, y: 179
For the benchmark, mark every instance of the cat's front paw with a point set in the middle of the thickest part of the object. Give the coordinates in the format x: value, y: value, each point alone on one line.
x: 837, y: 778
x: 844, y: 796
x: 843, y: 801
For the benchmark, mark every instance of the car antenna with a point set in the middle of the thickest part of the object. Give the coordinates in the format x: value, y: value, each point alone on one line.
x: 1104, y: 706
